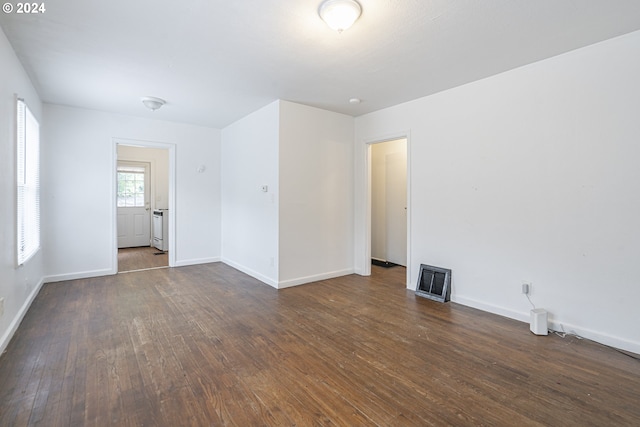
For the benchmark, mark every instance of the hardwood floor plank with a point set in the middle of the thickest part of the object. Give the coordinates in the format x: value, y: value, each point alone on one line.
x: 207, y: 345
x: 140, y: 258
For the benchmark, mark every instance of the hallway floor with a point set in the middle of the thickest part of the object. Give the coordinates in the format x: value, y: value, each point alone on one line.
x: 132, y: 259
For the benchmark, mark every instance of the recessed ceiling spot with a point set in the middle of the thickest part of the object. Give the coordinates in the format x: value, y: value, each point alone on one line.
x: 355, y: 101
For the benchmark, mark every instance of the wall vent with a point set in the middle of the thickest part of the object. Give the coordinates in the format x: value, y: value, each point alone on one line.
x: 434, y: 283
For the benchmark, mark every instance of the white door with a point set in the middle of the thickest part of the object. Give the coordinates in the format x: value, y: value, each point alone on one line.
x: 134, y: 213
x: 396, y: 207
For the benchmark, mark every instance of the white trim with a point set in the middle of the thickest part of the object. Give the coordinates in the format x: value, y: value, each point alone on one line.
x: 264, y: 279
x: 555, y: 325
x: 15, y: 323
x: 490, y: 308
x: 599, y: 337
x: 80, y: 275
x: 114, y: 202
x: 366, y: 256
x: 366, y: 269
x: 186, y: 262
x: 144, y: 269
x: 171, y: 147
x: 315, y: 278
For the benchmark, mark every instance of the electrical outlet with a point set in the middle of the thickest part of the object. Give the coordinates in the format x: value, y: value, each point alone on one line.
x: 2, y: 306
x: 526, y: 288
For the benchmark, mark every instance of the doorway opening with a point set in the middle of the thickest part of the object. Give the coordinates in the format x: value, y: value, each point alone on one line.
x: 388, y: 204
x: 144, y: 184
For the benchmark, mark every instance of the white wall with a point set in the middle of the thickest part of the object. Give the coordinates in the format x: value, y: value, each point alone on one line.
x: 249, y: 215
x: 536, y: 173
x: 78, y: 203
x: 316, y: 194
x: 18, y: 285
x: 159, y: 176
x: 301, y: 230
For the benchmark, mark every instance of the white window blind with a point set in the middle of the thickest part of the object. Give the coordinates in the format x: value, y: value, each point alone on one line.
x: 28, y: 182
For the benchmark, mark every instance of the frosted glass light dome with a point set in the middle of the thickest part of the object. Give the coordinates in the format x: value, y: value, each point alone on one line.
x: 340, y: 14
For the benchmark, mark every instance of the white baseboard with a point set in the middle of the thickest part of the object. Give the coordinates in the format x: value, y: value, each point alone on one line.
x: 555, y: 325
x: 361, y: 272
x: 186, y: 262
x: 314, y: 278
x: 111, y: 271
x: 502, y: 311
x: 13, y: 327
x: 599, y: 337
x: 264, y: 279
x: 79, y: 275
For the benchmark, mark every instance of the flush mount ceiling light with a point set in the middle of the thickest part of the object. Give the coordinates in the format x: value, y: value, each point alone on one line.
x: 153, y: 103
x: 339, y: 14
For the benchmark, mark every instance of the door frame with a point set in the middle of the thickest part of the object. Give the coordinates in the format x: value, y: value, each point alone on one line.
x: 366, y: 270
x: 172, y: 194
x: 388, y: 218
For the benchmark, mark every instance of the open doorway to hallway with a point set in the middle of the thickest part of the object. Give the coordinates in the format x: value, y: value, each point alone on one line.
x: 142, y: 194
x: 389, y: 203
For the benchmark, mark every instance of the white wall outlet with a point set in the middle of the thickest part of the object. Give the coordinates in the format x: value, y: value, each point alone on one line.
x: 2, y: 306
x: 526, y: 288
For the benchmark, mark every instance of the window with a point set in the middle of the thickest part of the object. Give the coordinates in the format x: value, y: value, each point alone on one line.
x: 130, y: 186
x: 28, y: 182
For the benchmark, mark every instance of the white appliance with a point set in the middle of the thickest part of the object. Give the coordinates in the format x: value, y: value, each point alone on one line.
x: 160, y: 229
x: 539, y: 321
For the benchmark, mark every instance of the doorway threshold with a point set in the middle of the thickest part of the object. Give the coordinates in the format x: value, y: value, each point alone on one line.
x: 385, y: 264
x: 143, y: 269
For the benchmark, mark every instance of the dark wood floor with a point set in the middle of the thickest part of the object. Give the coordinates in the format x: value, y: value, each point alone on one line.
x: 132, y: 259
x: 209, y: 346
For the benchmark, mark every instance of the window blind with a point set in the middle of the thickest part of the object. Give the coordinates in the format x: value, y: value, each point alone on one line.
x: 28, y: 182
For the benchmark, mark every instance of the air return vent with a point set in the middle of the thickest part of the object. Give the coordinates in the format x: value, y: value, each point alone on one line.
x: 434, y: 283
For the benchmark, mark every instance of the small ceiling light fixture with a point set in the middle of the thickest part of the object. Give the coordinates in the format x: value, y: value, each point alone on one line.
x: 152, y: 102
x: 339, y: 14
x: 355, y: 101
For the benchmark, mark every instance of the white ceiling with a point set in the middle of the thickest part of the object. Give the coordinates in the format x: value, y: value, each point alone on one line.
x: 216, y: 61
